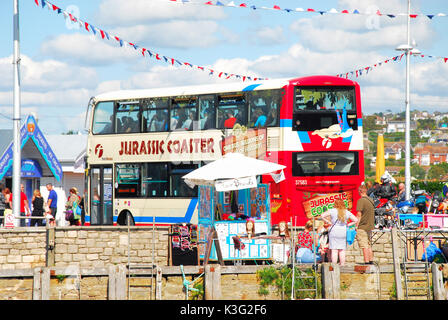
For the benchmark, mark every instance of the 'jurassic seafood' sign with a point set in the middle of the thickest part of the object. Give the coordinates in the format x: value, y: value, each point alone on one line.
x: 320, y: 203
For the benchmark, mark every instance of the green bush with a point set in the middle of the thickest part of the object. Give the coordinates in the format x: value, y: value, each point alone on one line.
x: 428, y: 186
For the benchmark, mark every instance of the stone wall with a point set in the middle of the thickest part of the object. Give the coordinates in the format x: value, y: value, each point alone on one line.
x: 23, y: 251
x: 237, y: 283
x: 23, y: 248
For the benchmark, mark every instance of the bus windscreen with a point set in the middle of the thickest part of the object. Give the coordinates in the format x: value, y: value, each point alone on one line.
x: 324, y: 98
x: 335, y: 163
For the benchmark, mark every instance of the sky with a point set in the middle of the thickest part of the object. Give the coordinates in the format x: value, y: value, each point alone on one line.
x: 63, y: 66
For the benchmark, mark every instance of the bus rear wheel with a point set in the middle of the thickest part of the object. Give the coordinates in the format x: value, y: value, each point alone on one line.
x: 122, y: 219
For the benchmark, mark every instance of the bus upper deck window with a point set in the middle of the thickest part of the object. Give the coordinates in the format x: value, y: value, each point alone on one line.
x: 232, y: 110
x: 128, y: 118
x: 103, y: 118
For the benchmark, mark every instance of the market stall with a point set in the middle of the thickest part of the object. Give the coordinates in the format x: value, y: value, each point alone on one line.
x: 233, y: 204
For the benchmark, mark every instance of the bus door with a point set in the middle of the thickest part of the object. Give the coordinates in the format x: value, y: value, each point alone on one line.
x: 101, y: 189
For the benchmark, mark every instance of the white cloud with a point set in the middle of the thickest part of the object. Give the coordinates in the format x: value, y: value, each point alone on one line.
x: 132, y: 12
x: 268, y: 36
x: 171, y: 34
x: 56, y: 91
x: 87, y: 49
x: 331, y: 37
x: 46, y: 75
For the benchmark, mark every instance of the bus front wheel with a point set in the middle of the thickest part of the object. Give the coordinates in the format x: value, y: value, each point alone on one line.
x: 123, y: 217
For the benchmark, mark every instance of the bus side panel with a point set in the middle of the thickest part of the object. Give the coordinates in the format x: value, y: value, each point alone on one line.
x: 161, y: 211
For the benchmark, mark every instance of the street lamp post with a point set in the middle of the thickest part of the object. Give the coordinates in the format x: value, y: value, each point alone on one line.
x: 408, y: 49
x: 16, y: 173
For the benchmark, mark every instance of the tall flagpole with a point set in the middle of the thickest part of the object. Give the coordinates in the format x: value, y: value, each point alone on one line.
x: 16, y: 117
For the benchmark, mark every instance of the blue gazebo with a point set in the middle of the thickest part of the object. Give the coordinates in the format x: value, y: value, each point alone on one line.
x: 38, y: 159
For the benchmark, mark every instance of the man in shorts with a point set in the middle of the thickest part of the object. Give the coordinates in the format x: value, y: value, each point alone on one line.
x: 366, y: 223
x: 52, y: 200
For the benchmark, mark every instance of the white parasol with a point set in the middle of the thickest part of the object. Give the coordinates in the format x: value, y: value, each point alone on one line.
x: 233, y: 171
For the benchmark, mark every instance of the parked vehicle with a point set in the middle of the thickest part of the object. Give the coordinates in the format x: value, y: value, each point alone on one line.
x: 421, y: 201
x: 385, y: 216
x: 436, y: 203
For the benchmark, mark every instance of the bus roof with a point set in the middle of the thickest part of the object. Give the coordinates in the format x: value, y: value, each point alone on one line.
x: 227, y: 87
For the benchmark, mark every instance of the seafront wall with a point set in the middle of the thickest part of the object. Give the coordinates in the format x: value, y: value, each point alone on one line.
x: 90, y: 263
x: 22, y: 248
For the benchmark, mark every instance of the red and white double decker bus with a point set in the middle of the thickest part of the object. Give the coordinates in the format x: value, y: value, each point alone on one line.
x: 141, y: 142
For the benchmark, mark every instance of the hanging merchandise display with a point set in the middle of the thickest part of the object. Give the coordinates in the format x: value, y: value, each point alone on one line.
x: 183, y: 244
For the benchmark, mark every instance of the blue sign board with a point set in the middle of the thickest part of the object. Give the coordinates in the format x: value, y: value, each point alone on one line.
x: 30, y: 130
x: 30, y: 169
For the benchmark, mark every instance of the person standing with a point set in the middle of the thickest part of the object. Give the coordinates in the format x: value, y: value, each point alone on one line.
x: 24, y: 205
x: 3, y: 204
x: 72, y: 202
x: 401, y: 192
x: 338, y: 217
x: 307, y: 244
x: 38, y: 208
x: 366, y: 223
x: 52, y: 201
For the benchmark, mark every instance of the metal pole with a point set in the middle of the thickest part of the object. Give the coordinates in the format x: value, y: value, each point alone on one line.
x: 408, y: 115
x: 16, y: 117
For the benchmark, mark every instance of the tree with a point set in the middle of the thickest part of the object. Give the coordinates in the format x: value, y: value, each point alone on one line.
x: 368, y: 123
x: 438, y: 171
x: 426, y: 124
x: 416, y: 171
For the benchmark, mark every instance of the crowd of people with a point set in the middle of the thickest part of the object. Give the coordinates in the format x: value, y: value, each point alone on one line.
x: 312, y: 245
x: 40, y: 211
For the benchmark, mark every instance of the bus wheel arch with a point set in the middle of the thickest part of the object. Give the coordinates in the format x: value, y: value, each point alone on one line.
x: 122, y: 218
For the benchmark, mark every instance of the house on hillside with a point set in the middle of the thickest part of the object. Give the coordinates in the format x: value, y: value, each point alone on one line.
x: 420, y: 115
x: 380, y: 121
x: 398, y: 126
x: 395, y: 126
x: 393, y: 150
x: 440, y: 138
x: 393, y: 170
x: 426, y: 154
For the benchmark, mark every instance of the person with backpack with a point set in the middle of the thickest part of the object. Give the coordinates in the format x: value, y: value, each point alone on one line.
x: 71, y: 207
x: 366, y: 223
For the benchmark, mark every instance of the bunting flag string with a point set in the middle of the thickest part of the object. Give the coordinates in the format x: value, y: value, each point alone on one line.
x: 220, y: 3
x: 144, y: 51
x: 365, y: 70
